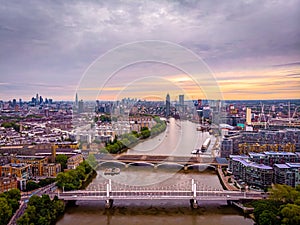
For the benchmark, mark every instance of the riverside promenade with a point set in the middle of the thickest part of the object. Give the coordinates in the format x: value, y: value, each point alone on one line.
x: 224, y: 181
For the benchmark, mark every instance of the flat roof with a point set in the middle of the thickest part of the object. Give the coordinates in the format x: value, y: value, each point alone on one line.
x: 239, y: 156
x: 279, y: 153
x: 282, y: 166
x: 253, y: 164
x: 256, y: 154
x: 30, y: 156
x: 294, y: 165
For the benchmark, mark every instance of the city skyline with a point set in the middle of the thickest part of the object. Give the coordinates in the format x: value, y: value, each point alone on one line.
x: 250, y: 48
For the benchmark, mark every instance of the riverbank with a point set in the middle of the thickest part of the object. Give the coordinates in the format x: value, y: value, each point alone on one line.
x: 129, y: 140
x: 224, y: 181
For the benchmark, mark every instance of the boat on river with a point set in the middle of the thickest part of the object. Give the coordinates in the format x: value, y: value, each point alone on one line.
x: 112, y: 171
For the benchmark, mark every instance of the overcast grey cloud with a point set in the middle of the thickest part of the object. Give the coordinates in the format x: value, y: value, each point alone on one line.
x: 53, y: 42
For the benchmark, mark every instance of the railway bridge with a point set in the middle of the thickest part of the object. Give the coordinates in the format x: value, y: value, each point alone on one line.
x: 160, y: 161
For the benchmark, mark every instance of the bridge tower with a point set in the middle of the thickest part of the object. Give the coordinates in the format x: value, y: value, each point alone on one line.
x: 193, y: 201
x: 108, y: 202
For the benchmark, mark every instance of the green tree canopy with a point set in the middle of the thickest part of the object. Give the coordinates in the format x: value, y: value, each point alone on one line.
x: 41, y: 211
x: 284, y: 193
x: 62, y: 159
x: 290, y: 214
x: 5, y: 211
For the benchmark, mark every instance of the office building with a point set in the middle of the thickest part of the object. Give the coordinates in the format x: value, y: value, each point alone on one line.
x: 19, y: 170
x: 36, y: 162
x: 74, y: 161
x: 226, y: 147
x: 271, y: 158
x: 8, y: 183
x: 168, y: 105
x: 248, y: 116
x: 253, y: 174
x: 51, y: 169
x: 181, y: 100
x: 288, y: 173
x: 80, y: 106
x: 76, y: 100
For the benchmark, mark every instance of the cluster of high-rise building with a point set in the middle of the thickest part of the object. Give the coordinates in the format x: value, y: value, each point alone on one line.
x: 263, y: 143
x: 17, y: 105
x: 242, y: 142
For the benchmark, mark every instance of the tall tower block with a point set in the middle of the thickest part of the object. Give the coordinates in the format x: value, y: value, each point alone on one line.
x: 76, y: 100
x: 248, y: 116
x: 168, y: 105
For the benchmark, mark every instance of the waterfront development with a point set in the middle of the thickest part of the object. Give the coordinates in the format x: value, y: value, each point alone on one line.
x: 179, y: 139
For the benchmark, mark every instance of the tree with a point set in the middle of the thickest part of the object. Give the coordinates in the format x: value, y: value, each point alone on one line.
x: 62, y: 159
x: 290, y: 214
x: 268, y: 218
x: 42, y: 210
x: 31, y: 185
x: 24, y: 220
x: 284, y: 193
x: 91, y: 160
x: 46, y: 181
x: 14, y: 194
x: 145, y: 133
x: 262, y: 205
x: 5, y: 211
x: 13, y: 197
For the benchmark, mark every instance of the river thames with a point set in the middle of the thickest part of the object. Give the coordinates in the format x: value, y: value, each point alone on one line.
x: 179, y: 139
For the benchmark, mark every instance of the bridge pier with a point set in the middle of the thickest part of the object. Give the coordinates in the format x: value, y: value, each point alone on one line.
x: 70, y: 202
x: 109, y: 203
x: 193, y: 203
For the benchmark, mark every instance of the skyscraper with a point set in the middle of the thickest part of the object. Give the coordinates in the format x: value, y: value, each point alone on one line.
x: 80, y: 106
x: 37, y: 99
x: 168, y: 105
x: 181, y: 100
x: 76, y: 100
x: 248, y: 116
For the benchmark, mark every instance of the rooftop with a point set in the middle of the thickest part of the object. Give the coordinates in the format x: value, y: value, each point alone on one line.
x: 256, y: 154
x: 248, y: 163
x: 282, y: 166
x: 29, y: 157
x: 294, y: 165
x: 280, y: 153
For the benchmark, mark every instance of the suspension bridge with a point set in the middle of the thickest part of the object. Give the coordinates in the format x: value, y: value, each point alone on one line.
x: 195, y: 193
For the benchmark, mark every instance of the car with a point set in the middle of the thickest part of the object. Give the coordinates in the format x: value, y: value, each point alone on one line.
x: 195, y: 151
x: 228, y: 196
x: 74, y: 196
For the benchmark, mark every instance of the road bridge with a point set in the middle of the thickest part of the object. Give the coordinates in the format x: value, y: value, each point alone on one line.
x: 144, y: 193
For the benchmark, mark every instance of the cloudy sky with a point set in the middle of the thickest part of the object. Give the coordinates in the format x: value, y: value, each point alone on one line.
x: 251, y: 48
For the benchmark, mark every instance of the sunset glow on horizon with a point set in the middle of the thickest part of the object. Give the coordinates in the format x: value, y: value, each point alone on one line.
x: 251, y: 49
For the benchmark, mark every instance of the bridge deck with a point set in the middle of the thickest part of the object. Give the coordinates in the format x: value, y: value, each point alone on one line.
x: 163, y: 195
x: 157, y: 159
